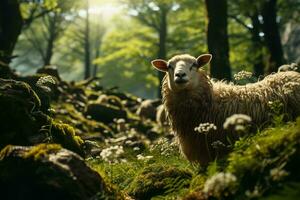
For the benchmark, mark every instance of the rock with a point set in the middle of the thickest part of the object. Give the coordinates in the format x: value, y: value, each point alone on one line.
x: 19, y: 116
x: 49, y: 70
x: 161, y: 117
x: 104, y: 113
x: 49, y: 172
x: 110, y: 100
x: 147, y: 109
x: 23, y: 122
x: 159, y: 180
x: 5, y: 71
x: 46, y: 87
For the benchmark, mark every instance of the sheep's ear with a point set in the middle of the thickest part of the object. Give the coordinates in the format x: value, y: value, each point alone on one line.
x: 203, y: 59
x: 160, y: 65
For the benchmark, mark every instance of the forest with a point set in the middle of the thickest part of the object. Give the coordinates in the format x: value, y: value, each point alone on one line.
x: 86, y: 113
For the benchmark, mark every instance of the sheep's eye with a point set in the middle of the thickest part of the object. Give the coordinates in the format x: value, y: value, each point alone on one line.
x: 170, y: 66
x: 194, y: 65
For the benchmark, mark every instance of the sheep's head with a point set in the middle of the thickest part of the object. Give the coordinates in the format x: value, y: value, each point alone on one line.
x: 182, y: 70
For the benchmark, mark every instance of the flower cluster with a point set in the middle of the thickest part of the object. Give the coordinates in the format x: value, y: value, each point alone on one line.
x: 45, y: 82
x: 237, y: 121
x: 164, y: 147
x: 112, y: 154
x: 278, y: 174
x: 221, y: 184
x: 242, y: 75
x: 205, y: 127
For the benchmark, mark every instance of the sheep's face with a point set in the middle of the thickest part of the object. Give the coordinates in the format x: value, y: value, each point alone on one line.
x: 182, y: 70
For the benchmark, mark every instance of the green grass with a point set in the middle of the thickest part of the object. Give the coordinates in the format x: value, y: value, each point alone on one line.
x: 253, y: 158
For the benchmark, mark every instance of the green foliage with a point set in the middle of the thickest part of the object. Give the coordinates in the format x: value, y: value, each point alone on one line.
x: 126, y: 57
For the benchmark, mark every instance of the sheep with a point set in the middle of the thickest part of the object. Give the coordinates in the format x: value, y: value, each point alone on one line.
x: 190, y: 98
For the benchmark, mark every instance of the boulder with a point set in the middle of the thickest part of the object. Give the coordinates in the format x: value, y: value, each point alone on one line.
x: 49, y: 172
x: 147, y: 109
x: 23, y: 122
x: 104, y: 113
x: 49, y: 70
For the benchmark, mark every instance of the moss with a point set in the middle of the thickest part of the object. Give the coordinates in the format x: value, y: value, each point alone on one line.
x: 45, y: 96
x: 159, y: 180
x: 42, y: 150
x: 64, y: 134
x: 253, y: 158
x: 68, y: 114
x: 20, y: 115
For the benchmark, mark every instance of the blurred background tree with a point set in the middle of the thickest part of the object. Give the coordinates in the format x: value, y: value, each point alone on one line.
x: 117, y: 39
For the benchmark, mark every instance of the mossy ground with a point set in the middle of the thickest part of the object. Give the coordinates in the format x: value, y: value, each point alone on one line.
x: 252, y: 160
x: 134, y: 158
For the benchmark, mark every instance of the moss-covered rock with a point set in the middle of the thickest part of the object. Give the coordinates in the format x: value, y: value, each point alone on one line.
x: 49, y: 172
x: 45, y: 86
x: 19, y: 113
x: 86, y: 128
x: 105, y: 113
x: 159, y: 180
x: 23, y: 123
x: 265, y: 160
x: 49, y: 70
x: 64, y: 134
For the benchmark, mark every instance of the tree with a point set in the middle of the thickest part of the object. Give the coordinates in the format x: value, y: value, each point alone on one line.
x: 154, y: 14
x: 272, y: 35
x: 10, y: 28
x: 50, y: 26
x: 217, y: 38
x: 13, y: 18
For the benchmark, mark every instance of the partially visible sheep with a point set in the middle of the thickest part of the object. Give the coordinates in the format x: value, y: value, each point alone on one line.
x: 191, y: 98
x: 147, y: 109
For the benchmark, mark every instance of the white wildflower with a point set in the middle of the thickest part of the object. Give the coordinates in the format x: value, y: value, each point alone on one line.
x: 242, y: 75
x: 221, y: 184
x: 278, y: 174
x: 205, y: 128
x: 44, y: 82
x: 253, y: 194
x: 164, y: 147
x: 238, y: 121
x: 136, y: 148
x: 144, y: 158
x: 112, y: 154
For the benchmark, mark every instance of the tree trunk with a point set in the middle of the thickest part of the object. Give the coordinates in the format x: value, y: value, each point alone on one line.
x: 217, y: 38
x: 87, y: 54
x: 162, y: 53
x: 10, y: 28
x: 272, y: 35
x: 97, y: 54
x: 50, y: 41
x: 257, y: 46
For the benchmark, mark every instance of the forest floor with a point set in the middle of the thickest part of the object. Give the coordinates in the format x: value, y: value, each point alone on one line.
x: 121, y: 151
